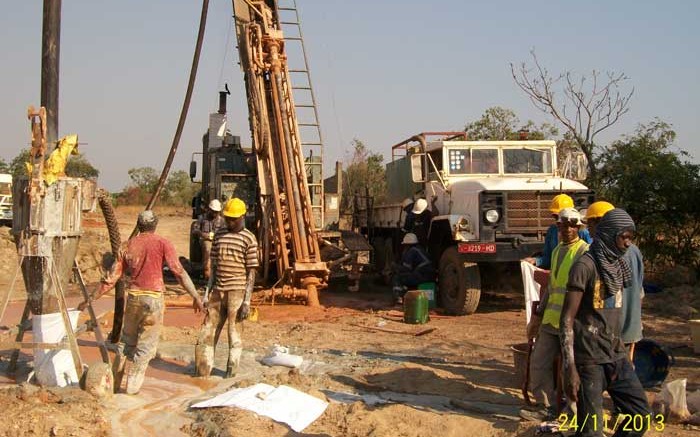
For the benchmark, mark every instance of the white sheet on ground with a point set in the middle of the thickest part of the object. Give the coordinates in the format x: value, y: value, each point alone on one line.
x: 532, y: 288
x: 282, y: 404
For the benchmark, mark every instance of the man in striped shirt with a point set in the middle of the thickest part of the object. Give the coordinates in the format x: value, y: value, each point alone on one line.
x: 234, y: 258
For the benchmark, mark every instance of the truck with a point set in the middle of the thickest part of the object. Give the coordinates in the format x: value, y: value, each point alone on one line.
x: 6, y: 199
x: 490, y: 200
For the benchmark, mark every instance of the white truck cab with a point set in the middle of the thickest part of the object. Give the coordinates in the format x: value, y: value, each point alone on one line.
x: 6, y: 199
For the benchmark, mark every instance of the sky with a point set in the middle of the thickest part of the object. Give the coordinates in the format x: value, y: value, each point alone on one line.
x: 381, y: 70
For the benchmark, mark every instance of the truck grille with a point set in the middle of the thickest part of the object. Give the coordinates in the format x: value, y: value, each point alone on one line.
x: 528, y: 213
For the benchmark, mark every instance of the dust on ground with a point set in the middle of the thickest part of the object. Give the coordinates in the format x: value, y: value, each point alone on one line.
x: 355, y: 344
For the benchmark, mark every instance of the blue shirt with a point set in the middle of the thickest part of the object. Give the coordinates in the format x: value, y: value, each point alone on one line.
x: 632, y: 297
x: 550, y: 242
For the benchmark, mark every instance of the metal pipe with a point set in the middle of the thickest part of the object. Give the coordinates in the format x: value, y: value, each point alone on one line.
x: 50, y: 59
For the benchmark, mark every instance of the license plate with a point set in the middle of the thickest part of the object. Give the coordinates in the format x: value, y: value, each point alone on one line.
x: 476, y: 248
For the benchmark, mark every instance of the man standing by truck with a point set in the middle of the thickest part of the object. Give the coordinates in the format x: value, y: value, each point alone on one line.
x: 545, y: 322
x: 415, y: 267
x: 234, y: 263
x: 205, y: 228
x: 143, y: 317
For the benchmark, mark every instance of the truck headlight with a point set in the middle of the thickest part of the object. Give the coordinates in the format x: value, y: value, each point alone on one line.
x: 492, y: 216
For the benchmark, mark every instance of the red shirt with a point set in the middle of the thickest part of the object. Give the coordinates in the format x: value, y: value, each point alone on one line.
x: 144, y: 259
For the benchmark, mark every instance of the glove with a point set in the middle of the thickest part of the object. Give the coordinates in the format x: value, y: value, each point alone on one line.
x: 533, y: 327
x: 243, y: 312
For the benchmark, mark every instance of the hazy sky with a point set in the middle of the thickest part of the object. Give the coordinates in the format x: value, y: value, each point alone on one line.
x: 382, y: 70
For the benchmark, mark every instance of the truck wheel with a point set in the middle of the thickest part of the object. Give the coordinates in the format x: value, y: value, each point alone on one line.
x: 460, y: 283
x: 378, y: 246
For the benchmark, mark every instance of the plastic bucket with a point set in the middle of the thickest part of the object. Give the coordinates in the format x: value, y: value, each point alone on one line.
x: 652, y: 362
x: 520, y: 361
x: 695, y: 334
x: 415, y: 307
x: 429, y: 289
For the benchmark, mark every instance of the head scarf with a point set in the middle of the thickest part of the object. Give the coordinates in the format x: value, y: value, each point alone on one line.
x: 612, y: 268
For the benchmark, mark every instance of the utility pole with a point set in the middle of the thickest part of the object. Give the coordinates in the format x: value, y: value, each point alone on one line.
x: 50, y: 57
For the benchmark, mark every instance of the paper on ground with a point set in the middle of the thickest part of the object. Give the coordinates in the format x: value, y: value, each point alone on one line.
x: 282, y: 404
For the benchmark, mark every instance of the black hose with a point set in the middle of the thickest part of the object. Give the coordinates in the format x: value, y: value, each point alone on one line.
x: 183, y: 113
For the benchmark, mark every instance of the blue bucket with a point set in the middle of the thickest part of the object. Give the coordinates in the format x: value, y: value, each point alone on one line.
x: 652, y: 362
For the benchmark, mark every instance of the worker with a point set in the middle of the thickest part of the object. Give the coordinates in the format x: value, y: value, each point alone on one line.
x: 419, y: 218
x: 143, y: 318
x: 633, y: 292
x: 234, y: 263
x: 205, y: 228
x: 594, y: 357
x: 406, y: 219
x: 415, y: 268
x: 544, y: 324
x: 551, y: 239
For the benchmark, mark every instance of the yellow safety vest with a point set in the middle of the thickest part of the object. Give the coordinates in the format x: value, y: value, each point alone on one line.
x: 558, y: 277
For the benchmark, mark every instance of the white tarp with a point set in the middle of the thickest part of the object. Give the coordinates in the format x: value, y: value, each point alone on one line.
x: 282, y: 404
x: 531, y: 287
x: 53, y: 367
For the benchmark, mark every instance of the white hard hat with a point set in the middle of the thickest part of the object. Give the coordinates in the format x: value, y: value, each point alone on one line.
x: 410, y: 238
x: 420, y: 206
x: 570, y: 215
x: 215, y: 205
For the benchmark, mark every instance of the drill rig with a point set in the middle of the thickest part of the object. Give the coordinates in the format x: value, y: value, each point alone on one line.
x: 287, y: 228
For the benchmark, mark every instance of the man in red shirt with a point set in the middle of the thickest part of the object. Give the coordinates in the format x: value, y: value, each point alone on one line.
x: 143, y: 260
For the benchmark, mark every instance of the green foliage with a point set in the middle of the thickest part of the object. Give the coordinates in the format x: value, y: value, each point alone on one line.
x: 659, y: 188
x: 502, y: 124
x: 17, y: 165
x: 178, y: 189
x: 4, y: 166
x: 363, y: 176
x: 80, y: 167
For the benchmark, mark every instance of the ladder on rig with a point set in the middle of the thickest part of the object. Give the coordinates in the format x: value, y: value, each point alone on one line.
x: 306, y: 108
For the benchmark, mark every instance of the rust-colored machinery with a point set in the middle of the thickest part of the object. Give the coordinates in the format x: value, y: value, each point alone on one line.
x: 286, y: 212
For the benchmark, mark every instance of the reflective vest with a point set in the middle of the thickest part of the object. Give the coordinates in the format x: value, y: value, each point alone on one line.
x: 558, y: 277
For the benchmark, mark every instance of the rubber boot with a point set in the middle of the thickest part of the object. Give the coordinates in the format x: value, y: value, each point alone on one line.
x: 118, y: 370
x: 234, y: 359
x: 135, y: 376
x: 203, y: 359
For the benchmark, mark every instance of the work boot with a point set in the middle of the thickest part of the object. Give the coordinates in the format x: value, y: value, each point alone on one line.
x: 203, y: 360
x: 135, y: 376
x: 234, y: 359
x: 118, y: 370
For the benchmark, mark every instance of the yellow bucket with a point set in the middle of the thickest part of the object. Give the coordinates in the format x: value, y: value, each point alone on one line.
x: 253, y: 315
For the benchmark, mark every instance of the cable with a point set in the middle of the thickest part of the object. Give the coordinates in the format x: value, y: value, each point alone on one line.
x: 183, y: 113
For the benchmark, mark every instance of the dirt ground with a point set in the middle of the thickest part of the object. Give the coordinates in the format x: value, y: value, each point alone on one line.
x: 456, y: 378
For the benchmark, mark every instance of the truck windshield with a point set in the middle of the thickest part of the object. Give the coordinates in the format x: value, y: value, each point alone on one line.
x: 527, y: 161
x: 473, y: 161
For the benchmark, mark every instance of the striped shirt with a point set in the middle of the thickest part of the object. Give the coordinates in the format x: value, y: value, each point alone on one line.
x: 233, y: 253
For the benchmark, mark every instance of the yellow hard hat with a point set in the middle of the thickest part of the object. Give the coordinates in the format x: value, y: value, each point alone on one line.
x: 234, y: 208
x: 598, y: 209
x: 560, y: 202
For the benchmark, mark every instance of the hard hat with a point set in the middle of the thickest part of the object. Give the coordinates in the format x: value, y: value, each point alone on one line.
x: 560, y: 202
x: 410, y: 238
x: 215, y: 205
x: 420, y: 206
x: 234, y: 208
x: 570, y: 215
x: 598, y: 209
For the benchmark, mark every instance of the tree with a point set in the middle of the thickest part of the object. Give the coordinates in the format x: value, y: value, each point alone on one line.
x: 659, y: 188
x: 364, y: 174
x: 17, y: 165
x: 80, y: 167
x: 588, y: 106
x: 144, y: 178
x: 4, y: 166
x: 179, y: 189
x: 502, y: 124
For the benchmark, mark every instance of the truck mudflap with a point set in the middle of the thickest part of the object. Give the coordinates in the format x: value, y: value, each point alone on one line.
x: 497, y: 252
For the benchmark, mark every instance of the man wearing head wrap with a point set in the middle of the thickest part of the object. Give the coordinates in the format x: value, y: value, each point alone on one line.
x: 143, y: 318
x: 594, y: 357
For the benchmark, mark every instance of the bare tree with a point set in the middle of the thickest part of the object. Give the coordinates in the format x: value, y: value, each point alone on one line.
x: 589, y: 104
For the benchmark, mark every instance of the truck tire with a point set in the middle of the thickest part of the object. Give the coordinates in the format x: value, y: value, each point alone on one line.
x: 459, y: 284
